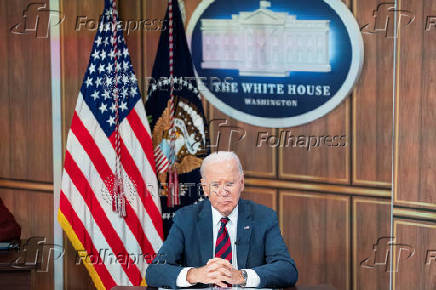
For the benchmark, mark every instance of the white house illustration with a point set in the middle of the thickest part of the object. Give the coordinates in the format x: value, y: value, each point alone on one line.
x: 265, y: 43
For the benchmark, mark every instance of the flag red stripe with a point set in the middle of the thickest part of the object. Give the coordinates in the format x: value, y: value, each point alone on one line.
x: 162, y: 163
x: 105, y: 172
x: 135, y: 175
x: 163, y: 168
x: 143, y: 137
x: 160, y: 156
x: 160, y: 160
x: 85, y: 239
x: 160, y: 166
x: 100, y: 217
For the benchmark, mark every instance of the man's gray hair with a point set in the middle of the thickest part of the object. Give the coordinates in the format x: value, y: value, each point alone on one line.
x: 220, y: 156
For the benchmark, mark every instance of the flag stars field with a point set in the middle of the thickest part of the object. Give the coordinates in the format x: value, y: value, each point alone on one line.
x: 102, y: 108
x: 106, y: 77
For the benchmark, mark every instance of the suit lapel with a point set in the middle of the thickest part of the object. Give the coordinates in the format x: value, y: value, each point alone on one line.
x: 204, y: 232
x: 245, y: 225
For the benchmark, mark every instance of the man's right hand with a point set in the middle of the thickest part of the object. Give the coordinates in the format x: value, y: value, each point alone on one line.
x: 214, y: 272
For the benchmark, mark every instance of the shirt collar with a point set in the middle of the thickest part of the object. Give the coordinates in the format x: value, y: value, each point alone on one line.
x: 216, y: 215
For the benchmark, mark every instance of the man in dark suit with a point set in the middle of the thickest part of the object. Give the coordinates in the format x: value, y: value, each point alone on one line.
x: 224, y: 240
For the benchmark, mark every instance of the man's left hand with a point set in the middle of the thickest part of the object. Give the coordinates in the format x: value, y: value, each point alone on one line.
x: 237, y: 278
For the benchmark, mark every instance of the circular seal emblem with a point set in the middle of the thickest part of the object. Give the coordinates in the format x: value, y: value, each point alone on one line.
x: 276, y: 63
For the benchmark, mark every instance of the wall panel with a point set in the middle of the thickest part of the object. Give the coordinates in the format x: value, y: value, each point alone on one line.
x: 229, y: 134
x: 413, y: 260
x: 264, y: 196
x: 372, y: 103
x: 4, y: 96
x: 316, y: 228
x: 26, y: 150
x: 371, y: 222
x: 415, y: 103
x: 150, y: 39
x: 322, y: 162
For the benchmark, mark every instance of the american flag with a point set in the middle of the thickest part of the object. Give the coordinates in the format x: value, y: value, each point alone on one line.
x: 108, y: 159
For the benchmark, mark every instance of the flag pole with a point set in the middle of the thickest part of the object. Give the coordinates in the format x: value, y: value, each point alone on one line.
x: 173, y: 182
x: 55, y: 70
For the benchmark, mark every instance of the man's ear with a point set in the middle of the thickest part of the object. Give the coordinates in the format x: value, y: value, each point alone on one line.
x: 205, y: 187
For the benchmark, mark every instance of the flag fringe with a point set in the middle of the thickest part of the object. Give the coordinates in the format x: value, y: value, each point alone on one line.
x: 78, y: 246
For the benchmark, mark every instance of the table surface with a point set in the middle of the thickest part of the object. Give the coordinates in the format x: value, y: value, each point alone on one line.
x: 316, y: 287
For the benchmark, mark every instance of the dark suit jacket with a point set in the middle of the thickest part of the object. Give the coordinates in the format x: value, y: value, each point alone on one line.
x: 259, y: 246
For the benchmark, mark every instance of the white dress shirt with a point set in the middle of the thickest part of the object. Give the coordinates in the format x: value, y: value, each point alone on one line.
x: 253, y: 280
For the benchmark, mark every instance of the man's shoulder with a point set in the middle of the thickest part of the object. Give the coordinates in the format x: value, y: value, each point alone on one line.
x: 192, y: 210
x: 257, y: 210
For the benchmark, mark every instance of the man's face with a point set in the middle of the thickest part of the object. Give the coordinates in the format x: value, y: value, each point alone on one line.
x: 223, y: 184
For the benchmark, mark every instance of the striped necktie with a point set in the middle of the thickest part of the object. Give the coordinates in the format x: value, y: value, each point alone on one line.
x: 223, y: 247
